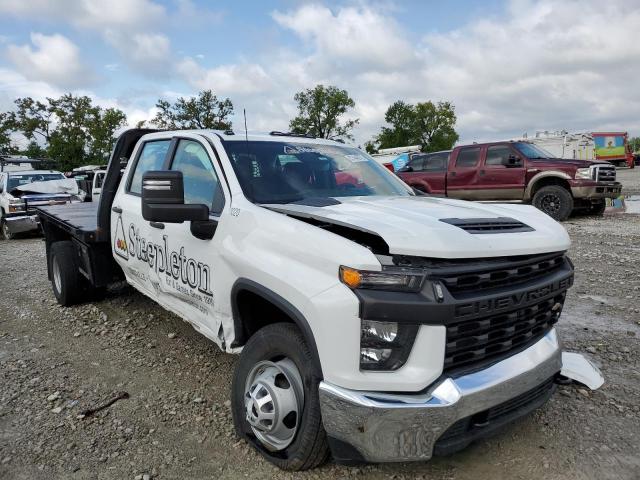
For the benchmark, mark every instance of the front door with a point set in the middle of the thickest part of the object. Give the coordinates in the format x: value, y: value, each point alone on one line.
x: 185, y: 265
x: 501, y: 177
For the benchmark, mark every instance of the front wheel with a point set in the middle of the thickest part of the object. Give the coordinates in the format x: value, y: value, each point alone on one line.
x: 555, y: 201
x: 275, y: 399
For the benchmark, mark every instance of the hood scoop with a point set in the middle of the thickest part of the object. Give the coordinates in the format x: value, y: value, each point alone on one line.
x: 488, y: 225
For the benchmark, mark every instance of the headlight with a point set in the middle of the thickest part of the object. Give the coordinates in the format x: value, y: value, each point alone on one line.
x: 385, y: 345
x: 16, y: 206
x: 584, y: 173
x: 393, y: 280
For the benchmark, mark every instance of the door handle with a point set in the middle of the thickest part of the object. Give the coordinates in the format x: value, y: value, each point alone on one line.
x: 482, y: 172
x: 158, y: 225
x: 116, y: 209
x: 453, y: 174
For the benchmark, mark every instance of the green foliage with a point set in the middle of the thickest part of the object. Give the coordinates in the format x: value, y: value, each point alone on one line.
x: 319, y: 112
x: 6, y: 127
x: 634, y: 143
x: 432, y: 126
x: 202, y: 111
x: 70, y: 130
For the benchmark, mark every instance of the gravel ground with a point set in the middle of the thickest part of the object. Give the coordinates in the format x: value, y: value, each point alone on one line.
x: 56, y: 362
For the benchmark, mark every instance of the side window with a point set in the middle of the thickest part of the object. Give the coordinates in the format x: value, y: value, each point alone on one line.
x: 498, y: 156
x: 435, y: 163
x: 416, y: 163
x: 201, y: 185
x: 468, y: 157
x: 151, y: 158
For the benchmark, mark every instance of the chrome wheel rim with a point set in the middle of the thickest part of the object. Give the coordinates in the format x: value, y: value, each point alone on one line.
x: 273, y: 400
x: 57, y: 276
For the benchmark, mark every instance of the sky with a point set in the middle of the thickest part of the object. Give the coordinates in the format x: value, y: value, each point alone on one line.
x: 508, y: 66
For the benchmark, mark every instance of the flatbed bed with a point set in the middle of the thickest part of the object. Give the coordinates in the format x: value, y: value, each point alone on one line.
x: 80, y: 220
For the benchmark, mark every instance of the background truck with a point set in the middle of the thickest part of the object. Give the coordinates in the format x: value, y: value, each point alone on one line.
x: 373, y: 323
x: 515, y: 171
x: 21, y: 191
x: 613, y: 147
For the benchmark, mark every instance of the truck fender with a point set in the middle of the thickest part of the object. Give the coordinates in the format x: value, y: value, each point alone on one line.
x: 244, y: 284
x: 579, y: 368
x: 537, y: 177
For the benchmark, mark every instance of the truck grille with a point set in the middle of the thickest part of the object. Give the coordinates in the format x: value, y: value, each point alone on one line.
x: 498, y: 273
x: 480, y: 341
x: 605, y: 173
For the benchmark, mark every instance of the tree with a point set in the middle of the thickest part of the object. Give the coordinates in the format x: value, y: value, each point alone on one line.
x: 70, y: 129
x: 6, y: 128
x: 426, y: 124
x: 319, y: 112
x: 634, y: 144
x: 102, y: 128
x: 203, y: 111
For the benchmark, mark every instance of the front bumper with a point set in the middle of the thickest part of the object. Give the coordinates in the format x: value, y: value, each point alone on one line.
x: 20, y: 223
x: 601, y: 190
x: 390, y: 427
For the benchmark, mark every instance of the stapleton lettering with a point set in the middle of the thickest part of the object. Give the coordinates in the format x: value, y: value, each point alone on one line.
x: 173, y: 263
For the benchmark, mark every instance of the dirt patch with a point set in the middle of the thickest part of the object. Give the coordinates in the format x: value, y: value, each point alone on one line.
x: 176, y: 423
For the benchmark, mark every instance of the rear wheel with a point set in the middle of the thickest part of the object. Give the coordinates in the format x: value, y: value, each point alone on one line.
x: 555, y: 201
x: 275, y: 399
x: 64, y: 273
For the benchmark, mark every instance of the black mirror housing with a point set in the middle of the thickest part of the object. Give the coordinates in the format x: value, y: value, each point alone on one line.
x: 513, y: 161
x: 163, y: 199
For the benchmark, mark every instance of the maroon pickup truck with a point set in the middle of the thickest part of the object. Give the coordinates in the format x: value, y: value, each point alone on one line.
x: 514, y: 171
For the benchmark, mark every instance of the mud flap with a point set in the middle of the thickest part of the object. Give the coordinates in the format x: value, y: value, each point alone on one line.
x: 577, y: 367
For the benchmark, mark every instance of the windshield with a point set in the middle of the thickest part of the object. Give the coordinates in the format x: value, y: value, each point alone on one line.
x: 280, y: 172
x: 532, y: 151
x: 15, y: 181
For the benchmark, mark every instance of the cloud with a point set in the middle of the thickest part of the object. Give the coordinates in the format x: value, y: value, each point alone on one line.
x: 89, y: 13
x: 53, y: 59
x: 149, y: 53
x: 224, y: 79
x: 354, y: 37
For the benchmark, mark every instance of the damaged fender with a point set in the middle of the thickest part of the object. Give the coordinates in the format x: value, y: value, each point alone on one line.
x: 577, y: 367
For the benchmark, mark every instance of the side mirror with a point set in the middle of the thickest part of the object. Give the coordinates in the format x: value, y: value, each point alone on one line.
x: 513, y: 161
x: 163, y: 199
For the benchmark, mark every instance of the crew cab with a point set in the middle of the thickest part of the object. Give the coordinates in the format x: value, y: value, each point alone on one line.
x: 514, y: 171
x: 22, y: 191
x: 372, y: 323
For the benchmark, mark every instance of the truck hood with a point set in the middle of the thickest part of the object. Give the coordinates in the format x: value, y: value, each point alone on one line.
x: 563, y: 162
x: 413, y: 226
x: 67, y: 185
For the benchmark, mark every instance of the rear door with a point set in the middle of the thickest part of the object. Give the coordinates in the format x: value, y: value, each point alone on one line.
x: 462, y: 177
x: 132, y: 246
x: 501, y: 175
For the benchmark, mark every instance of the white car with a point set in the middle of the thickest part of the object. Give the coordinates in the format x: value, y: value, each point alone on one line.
x: 372, y: 323
x: 22, y: 191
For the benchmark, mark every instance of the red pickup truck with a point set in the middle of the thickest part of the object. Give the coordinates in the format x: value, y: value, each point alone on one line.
x: 514, y: 171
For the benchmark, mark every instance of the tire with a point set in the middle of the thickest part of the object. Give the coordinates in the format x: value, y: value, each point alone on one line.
x: 65, y: 277
x: 597, y: 208
x: 6, y: 232
x: 555, y: 201
x: 277, y: 360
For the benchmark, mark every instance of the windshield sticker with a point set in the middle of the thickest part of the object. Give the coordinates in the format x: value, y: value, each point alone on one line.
x: 292, y: 150
x: 356, y: 158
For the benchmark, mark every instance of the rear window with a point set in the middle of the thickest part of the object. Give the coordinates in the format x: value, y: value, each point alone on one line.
x: 468, y: 157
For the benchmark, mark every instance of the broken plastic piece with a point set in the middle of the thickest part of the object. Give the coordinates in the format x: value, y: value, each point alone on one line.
x: 577, y: 367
